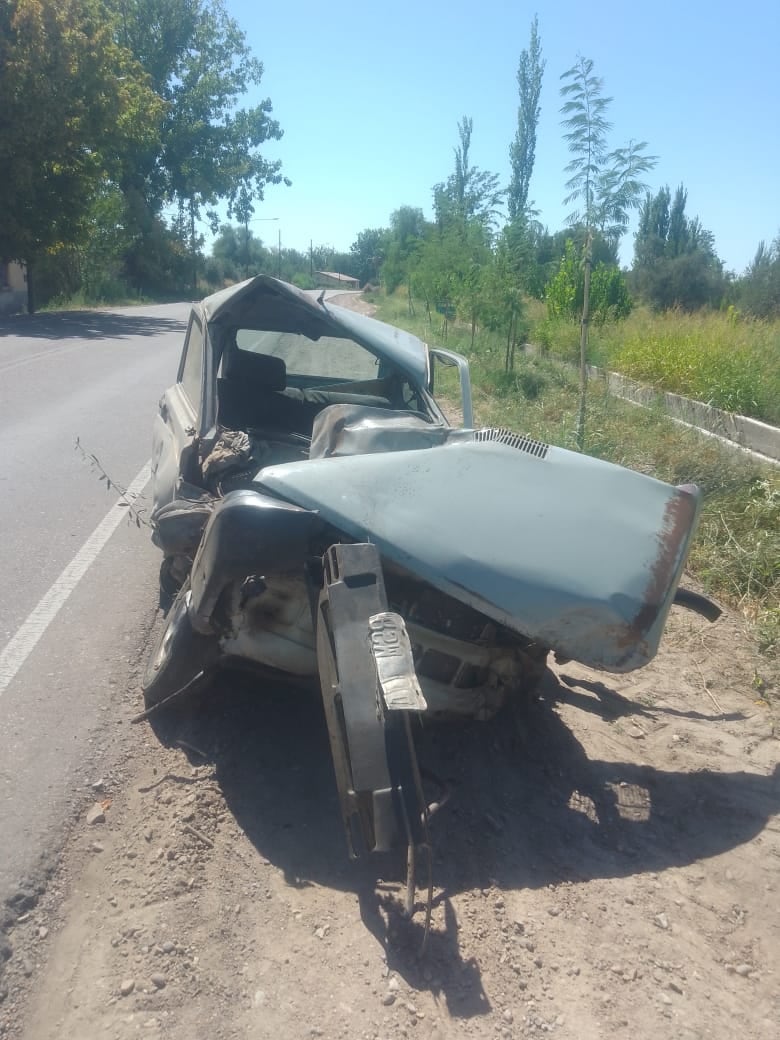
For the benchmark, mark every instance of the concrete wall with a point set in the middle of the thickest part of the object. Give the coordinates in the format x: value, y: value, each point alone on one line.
x: 748, y: 433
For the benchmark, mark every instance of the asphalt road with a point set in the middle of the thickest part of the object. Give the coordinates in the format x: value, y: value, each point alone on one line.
x: 74, y: 616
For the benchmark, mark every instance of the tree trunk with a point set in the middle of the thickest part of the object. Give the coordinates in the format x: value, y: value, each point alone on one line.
x: 192, y: 251
x: 30, y: 288
x: 584, y: 342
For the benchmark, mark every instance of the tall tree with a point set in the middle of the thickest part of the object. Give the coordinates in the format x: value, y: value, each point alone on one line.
x: 407, y: 229
x: 605, y: 184
x: 759, y: 288
x: 72, y: 101
x: 522, y: 151
x: 586, y: 128
x: 586, y: 125
x: 469, y: 194
x: 675, y: 262
x: 237, y: 253
x: 209, y: 148
x: 367, y: 253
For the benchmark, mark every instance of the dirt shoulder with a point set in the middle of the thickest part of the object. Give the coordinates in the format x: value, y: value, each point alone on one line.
x: 606, y: 866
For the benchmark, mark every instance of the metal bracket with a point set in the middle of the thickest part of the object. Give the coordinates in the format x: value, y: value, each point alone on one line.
x: 368, y: 686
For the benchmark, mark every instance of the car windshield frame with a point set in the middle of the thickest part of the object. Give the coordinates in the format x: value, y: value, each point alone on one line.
x: 312, y: 362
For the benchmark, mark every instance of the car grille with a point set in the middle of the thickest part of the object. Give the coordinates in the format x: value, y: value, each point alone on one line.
x: 501, y: 435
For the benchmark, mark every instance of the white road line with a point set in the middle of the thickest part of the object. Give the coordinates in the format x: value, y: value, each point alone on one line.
x: 26, y: 638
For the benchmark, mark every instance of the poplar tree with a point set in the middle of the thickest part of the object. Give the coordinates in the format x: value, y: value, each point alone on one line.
x: 522, y: 151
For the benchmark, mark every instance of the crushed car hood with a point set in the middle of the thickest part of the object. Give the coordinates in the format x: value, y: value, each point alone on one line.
x: 578, y: 554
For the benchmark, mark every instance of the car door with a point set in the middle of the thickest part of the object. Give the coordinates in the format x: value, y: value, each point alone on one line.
x: 176, y: 424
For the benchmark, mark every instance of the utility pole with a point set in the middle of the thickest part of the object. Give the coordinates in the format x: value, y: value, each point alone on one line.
x: 262, y: 220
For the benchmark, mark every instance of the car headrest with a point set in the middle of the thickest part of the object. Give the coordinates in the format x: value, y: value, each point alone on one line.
x: 258, y: 370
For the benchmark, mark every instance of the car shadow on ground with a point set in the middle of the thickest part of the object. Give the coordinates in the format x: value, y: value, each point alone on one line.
x: 527, y: 808
x: 95, y: 325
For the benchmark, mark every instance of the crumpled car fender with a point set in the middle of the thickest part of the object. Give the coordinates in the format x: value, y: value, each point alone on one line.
x: 248, y: 533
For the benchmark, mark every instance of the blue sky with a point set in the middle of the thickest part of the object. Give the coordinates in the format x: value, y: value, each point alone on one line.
x: 369, y: 97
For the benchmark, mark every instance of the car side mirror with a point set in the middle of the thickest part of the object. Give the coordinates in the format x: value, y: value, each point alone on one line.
x: 448, y: 359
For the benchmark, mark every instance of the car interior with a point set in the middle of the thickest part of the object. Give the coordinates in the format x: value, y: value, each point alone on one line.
x: 254, y: 392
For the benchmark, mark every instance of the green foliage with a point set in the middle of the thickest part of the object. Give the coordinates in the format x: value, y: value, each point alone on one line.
x: 609, y: 297
x: 407, y: 230
x: 442, y: 267
x: 730, y: 362
x: 201, y: 65
x: 368, y: 253
x: 527, y: 381
x: 561, y: 292
x: 237, y: 254
x: 522, y: 151
x: 522, y: 239
x: 469, y: 195
x: 675, y: 264
x: 732, y: 365
x: 113, y: 110
x: 586, y: 125
x: 74, y: 101
x: 758, y: 291
x: 744, y: 521
x: 499, y: 307
x: 607, y: 185
x: 620, y: 188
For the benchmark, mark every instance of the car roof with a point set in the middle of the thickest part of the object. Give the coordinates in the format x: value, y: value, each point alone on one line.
x: 265, y: 303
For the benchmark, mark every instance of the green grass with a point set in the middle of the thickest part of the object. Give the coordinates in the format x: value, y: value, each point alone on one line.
x: 736, y: 554
x: 723, y: 359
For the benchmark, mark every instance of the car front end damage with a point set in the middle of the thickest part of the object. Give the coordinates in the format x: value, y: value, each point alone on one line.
x: 343, y: 534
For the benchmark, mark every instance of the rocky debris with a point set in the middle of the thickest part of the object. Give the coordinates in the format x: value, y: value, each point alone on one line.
x: 96, y: 814
x: 126, y: 987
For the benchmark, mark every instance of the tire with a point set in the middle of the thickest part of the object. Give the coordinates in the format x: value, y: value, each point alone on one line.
x: 179, y: 653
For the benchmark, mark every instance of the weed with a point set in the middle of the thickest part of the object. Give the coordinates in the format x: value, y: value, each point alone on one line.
x: 722, y: 359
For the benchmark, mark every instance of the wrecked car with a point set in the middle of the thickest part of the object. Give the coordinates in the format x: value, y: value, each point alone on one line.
x: 320, y: 519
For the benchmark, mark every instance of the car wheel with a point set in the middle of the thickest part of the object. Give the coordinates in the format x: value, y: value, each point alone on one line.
x: 179, y: 654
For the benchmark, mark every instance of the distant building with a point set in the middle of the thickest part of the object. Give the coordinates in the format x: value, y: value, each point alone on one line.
x: 334, y: 280
x: 13, y: 287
